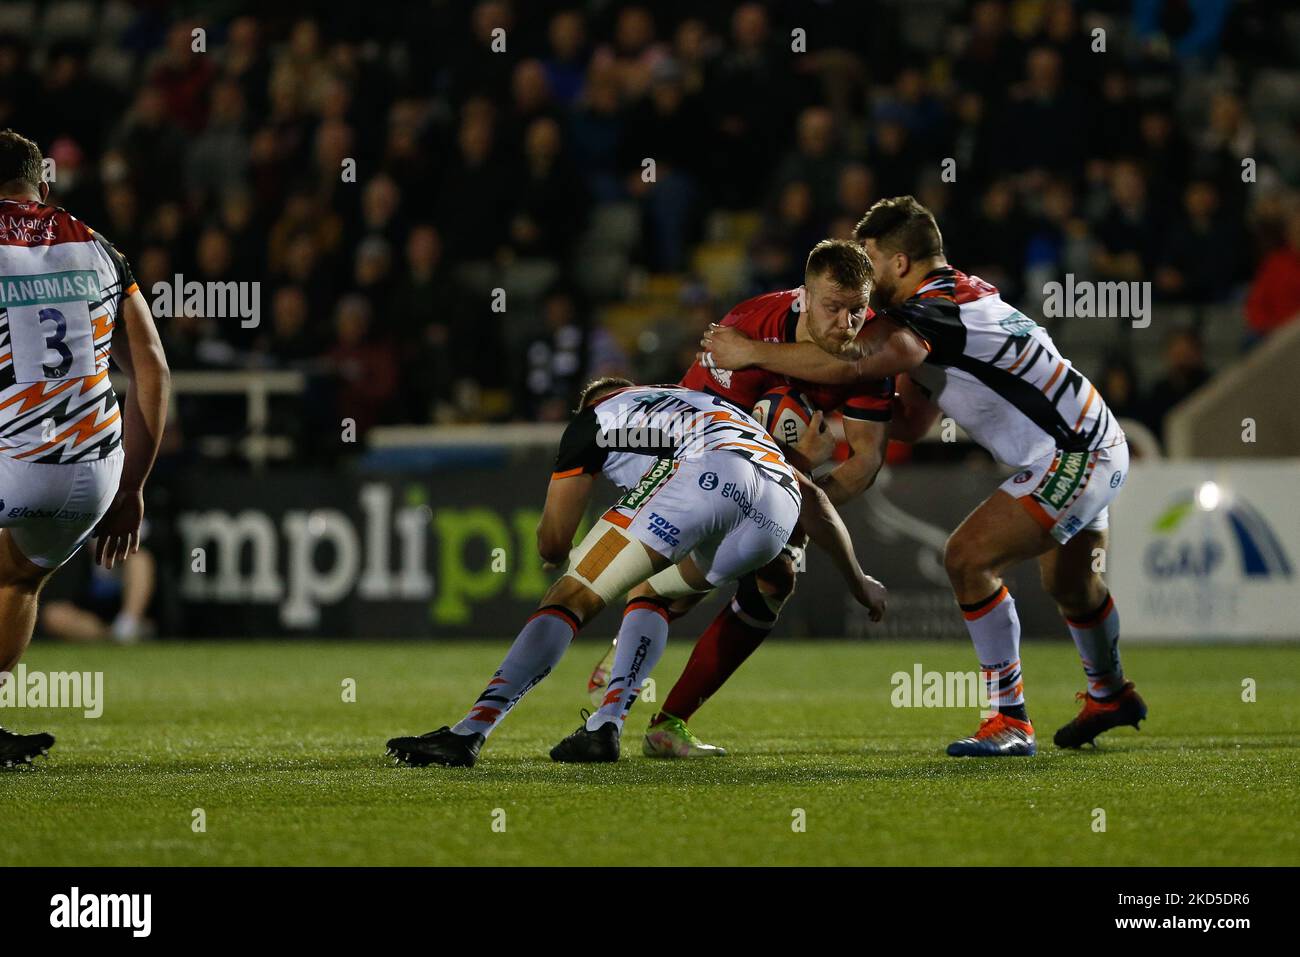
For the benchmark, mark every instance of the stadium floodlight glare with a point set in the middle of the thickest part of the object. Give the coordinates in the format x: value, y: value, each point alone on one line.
x: 1208, y: 496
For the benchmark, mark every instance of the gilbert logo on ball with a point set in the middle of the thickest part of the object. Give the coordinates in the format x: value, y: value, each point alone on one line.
x: 785, y: 412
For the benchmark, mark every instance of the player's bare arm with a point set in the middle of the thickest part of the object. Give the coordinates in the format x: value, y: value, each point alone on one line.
x: 855, y: 474
x: 825, y: 527
x: 814, y: 447
x: 566, y: 502
x: 138, y: 352
x: 885, y: 349
x: 914, y: 412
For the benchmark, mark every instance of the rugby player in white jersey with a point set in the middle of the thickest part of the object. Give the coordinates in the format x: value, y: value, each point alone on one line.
x: 973, y: 357
x: 72, y: 461
x: 717, y: 500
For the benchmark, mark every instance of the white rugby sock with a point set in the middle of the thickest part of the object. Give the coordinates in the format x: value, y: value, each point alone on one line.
x: 540, y: 646
x: 642, y: 637
x: 1097, y: 638
x: 995, y: 630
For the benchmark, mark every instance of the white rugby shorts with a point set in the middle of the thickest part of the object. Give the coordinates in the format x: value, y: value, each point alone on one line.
x: 716, y: 507
x: 1068, y: 491
x: 51, y: 509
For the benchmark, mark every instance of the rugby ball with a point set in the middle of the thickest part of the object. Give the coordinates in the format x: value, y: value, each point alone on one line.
x: 785, y: 412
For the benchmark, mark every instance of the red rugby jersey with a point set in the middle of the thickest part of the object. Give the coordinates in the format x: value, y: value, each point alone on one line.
x: 772, y: 317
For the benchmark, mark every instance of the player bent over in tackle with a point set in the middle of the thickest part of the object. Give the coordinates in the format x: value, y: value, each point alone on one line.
x: 998, y: 374
x: 829, y: 310
x: 69, y: 302
x: 718, y: 500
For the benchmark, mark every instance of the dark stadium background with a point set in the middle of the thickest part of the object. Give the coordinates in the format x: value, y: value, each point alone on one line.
x: 521, y: 171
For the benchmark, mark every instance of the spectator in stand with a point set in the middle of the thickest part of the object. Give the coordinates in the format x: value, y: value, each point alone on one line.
x: 473, y: 209
x: 1274, y: 298
x: 152, y: 148
x: 893, y: 158
x: 1200, y: 261
x: 1229, y: 137
x: 530, y: 100
x: 1048, y: 107
x: 372, y: 277
x: 428, y: 319
x: 1118, y: 385
x: 749, y: 104
x: 596, y: 130
x: 555, y: 361
x: 1185, y: 372
x: 363, y: 363
x: 1163, y: 153
x: 990, y: 57
x: 794, y: 222
x: 291, y: 339
x: 183, y: 78
x: 383, y: 215
x: 1129, y: 232
x: 20, y: 92
x: 635, y: 52
x: 551, y: 209
x: 855, y: 191
x: 665, y: 127
x: 72, y: 103
x: 566, y: 67
x: 816, y: 158
x: 994, y: 249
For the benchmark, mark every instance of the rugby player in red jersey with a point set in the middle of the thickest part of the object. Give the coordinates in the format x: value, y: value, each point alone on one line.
x: 828, y: 312
x: 997, y: 373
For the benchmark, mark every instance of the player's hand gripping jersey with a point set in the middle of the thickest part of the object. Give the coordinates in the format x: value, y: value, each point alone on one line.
x: 60, y: 290
x: 773, y: 317
x: 716, y: 483
x: 998, y: 374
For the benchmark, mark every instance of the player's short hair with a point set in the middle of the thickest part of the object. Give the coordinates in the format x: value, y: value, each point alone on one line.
x: 901, y: 225
x: 843, y: 262
x: 20, y: 161
x: 596, y: 388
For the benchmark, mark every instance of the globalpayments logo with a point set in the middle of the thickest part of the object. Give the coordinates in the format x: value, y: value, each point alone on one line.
x: 1203, y: 527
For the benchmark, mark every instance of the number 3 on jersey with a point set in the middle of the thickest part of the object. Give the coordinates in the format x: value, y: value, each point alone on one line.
x: 51, y: 341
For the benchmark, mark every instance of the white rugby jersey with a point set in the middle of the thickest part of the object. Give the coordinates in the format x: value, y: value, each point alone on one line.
x: 618, y: 433
x: 61, y: 287
x: 998, y: 374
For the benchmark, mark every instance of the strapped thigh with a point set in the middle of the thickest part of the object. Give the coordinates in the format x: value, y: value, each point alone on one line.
x: 609, y: 561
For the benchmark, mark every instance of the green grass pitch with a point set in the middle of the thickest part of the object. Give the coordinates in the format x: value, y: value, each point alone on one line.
x: 258, y: 736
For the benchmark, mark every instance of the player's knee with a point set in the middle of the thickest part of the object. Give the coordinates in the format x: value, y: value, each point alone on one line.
x: 575, y: 597
x: 17, y: 570
x: 1075, y: 593
x: 753, y: 605
x: 642, y: 590
x: 961, y: 559
x: 763, y: 593
x: 777, y: 579
x: 26, y: 580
